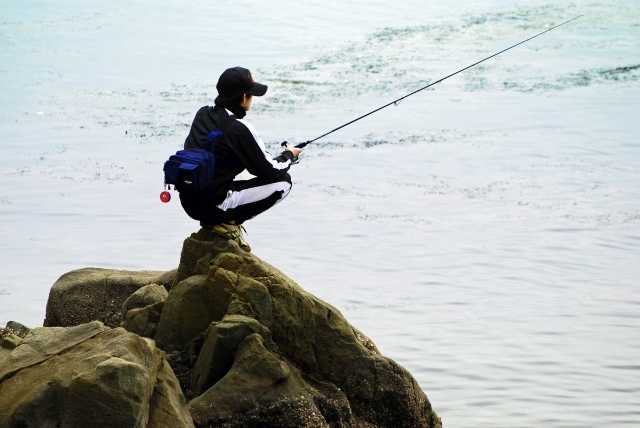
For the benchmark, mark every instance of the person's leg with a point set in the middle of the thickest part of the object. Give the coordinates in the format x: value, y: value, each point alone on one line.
x: 245, y: 200
x: 248, y: 198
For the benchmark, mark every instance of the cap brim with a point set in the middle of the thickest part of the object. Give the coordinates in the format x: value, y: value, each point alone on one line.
x: 258, y: 89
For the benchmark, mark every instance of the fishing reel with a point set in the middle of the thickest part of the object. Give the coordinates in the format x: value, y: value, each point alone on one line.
x: 297, y: 159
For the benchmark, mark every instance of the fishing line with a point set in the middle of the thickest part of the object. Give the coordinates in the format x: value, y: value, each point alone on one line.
x: 396, y: 102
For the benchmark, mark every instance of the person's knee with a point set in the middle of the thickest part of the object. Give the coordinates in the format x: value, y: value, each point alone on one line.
x: 286, y: 184
x: 286, y: 177
x: 286, y: 190
x: 286, y: 187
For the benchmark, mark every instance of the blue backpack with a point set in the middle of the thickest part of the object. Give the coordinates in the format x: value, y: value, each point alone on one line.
x: 193, y: 168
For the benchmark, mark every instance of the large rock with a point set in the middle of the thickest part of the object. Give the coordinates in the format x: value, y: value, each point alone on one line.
x: 88, y: 376
x: 93, y: 294
x: 257, y: 350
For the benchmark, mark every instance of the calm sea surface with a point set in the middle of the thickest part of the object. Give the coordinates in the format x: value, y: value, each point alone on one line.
x: 485, y: 234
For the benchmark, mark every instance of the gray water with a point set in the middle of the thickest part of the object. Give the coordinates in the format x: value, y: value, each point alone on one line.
x: 484, y: 234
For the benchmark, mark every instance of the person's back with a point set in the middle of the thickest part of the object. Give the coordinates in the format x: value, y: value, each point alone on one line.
x: 224, y: 206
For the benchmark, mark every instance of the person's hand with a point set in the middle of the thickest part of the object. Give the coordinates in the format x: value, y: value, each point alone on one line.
x: 293, y: 149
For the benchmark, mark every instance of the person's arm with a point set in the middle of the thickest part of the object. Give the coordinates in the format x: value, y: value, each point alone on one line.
x: 251, y: 150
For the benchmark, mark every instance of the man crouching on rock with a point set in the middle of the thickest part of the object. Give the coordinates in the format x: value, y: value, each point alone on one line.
x: 223, y: 207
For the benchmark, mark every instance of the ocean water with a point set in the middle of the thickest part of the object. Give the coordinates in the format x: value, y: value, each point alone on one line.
x: 485, y: 233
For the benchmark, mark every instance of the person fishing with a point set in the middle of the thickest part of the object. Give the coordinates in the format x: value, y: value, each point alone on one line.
x: 223, y: 206
x: 228, y: 203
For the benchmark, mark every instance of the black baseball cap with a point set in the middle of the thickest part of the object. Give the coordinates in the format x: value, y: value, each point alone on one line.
x: 237, y: 81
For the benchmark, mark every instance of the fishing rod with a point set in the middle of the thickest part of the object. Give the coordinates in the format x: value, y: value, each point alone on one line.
x: 396, y: 102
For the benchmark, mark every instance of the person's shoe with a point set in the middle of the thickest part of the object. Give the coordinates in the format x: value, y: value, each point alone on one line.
x: 232, y: 232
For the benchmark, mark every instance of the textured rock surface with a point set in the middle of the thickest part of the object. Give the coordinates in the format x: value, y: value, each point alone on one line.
x: 145, y: 296
x: 167, y: 407
x: 93, y: 294
x: 88, y: 376
x: 257, y: 379
x: 43, y: 343
x: 257, y: 350
x: 167, y: 279
x: 144, y: 321
x: 17, y: 328
x: 217, y: 353
x: 142, y: 310
x: 12, y: 334
x: 10, y: 341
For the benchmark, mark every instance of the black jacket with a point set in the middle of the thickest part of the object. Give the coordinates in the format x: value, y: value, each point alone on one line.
x: 240, y: 148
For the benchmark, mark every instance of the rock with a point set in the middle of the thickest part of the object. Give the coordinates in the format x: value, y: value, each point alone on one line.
x: 197, y: 252
x: 10, y: 341
x: 187, y: 312
x: 94, y: 294
x: 263, y: 352
x: 217, y: 353
x: 89, y: 376
x: 167, y: 279
x: 256, y: 380
x: 365, y: 341
x: 114, y: 392
x: 12, y: 334
x: 167, y: 407
x: 144, y: 321
x: 247, y: 346
x: 145, y: 296
x: 142, y: 310
x: 17, y: 328
x: 43, y: 343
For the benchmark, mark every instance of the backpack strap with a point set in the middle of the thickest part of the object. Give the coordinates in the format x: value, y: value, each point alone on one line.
x: 214, y: 136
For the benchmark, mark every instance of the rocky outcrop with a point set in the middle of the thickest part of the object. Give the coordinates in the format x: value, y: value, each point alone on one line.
x: 252, y: 348
x: 246, y: 346
x: 88, y: 376
x: 93, y: 294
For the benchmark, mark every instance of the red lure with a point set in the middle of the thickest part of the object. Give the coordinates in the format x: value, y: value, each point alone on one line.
x: 165, y: 196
